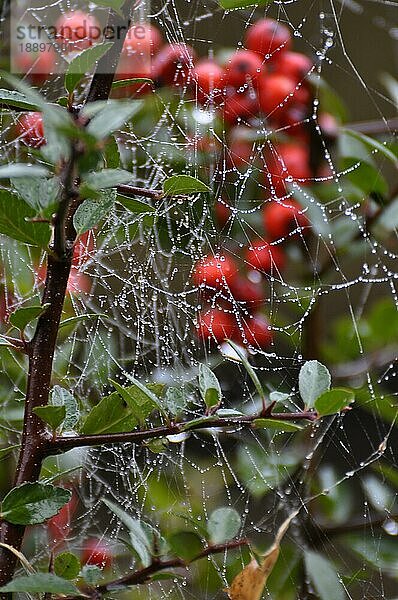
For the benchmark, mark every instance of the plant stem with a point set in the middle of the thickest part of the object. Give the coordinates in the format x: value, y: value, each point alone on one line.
x: 142, y: 575
x: 62, y: 444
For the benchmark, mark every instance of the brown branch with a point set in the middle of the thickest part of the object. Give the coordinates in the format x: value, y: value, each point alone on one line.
x: 130, y: 190
x: 104, y: 75
x: 62, y: 444
x: 144, y: 574
x: 318, y: 534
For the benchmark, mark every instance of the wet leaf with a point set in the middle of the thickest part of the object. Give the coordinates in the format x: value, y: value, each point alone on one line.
x: 32, y: 503
x: 183, y: 184
x: 41, y: 583
x: 185, y: 544
x: 209, y: 387
x: 23, y: 316
x: 67, y: 565
x: 14, y: 221
x: 324, y: 577
x: 52, y: 415
x: 314, y: 379
x: 83, y: 63
x: 223, y: 524
x: 333, y: 401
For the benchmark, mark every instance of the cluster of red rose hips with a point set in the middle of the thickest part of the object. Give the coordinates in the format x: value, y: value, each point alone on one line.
x: 264, y: 81
x: 235, y: 299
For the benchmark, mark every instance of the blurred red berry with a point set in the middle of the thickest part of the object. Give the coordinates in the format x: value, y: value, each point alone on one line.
x: 30, y: 129
x: 244, y: 67
x: 246, y: 292
x: 172, y: 65
x: 208, y: 77
x: 216, y: 324
x: 142, y: 39
x: 240, y: 105
x: 263, y: 257
x: 277, y: 92
x: 329, y: 126
x: 268, y: 37
x: 239, y: 153
x: 77, y: 30
x: 83, y: 248
x: 78, y: 283
x: 214, y: 270
x: 222, y: 212
x: 287, y: 163
x: 257, y: 332
x: 294, y: 65
x: 280, y: 219
x: 36, y: 66
x: 58, y: 527
x: 96, y: 552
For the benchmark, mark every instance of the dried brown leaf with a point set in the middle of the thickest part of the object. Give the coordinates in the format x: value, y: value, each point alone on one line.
x: 250, y: 582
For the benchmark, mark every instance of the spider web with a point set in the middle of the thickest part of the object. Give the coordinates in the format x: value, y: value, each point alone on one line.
x: 140, y: 274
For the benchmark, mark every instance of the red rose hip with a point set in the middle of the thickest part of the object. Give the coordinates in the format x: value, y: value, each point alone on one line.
x: 30, y: 129
x: 96, y: 552
x: 268, y: 37
x: 281, y: 219
x: 263, y: 257
x: 214, y: 270
x: 216, y: 324
x: 257, y: 332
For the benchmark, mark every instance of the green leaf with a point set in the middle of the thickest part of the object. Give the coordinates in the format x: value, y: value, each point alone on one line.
x: 91, y: 212
x: 83, y: 63
x: 115, y: 5
x: 23, y: 316
x: 125, y: 82
x: 223, y: 524
x: 133, y: 205
x: 108, y: 178
x: 175, y: 400
x: 373, y: 145
x: 91, y: 574
x: 364, y: 176
x: 185, y: 544
x: 111, y: 415
x: 333, y: 401
x: 195, y: 422
x: 38, y: 193
x: 147, y: 393
x: 277, y: 424
x: 41, y: 583
x: 209, y: 387
x: 378, y: 493
x: 22, y: 170
x: 389, y: 216
x: 141, y: 404
x: 314, y: 379
x: 248, y: 368
x: 6, y: 451
x: 183, y: 184
x: 52, y: 415
x: 138, y: 537
x: 62, y: 397
x: 324, y: 577
x: 112, y: 117
x: 233, y: 4
x: 379, y: 552
x: 112, y: 154
x: 80, y: 319
x: 391, y: 85
x: 14, y: 213
x: 17, y: 100
x: 67, y: 565
x: 33, y: 503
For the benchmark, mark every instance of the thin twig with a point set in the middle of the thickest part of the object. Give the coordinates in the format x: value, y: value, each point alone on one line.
x: 144, y: 574
x: 62, y: 444
x: 130, y: 190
